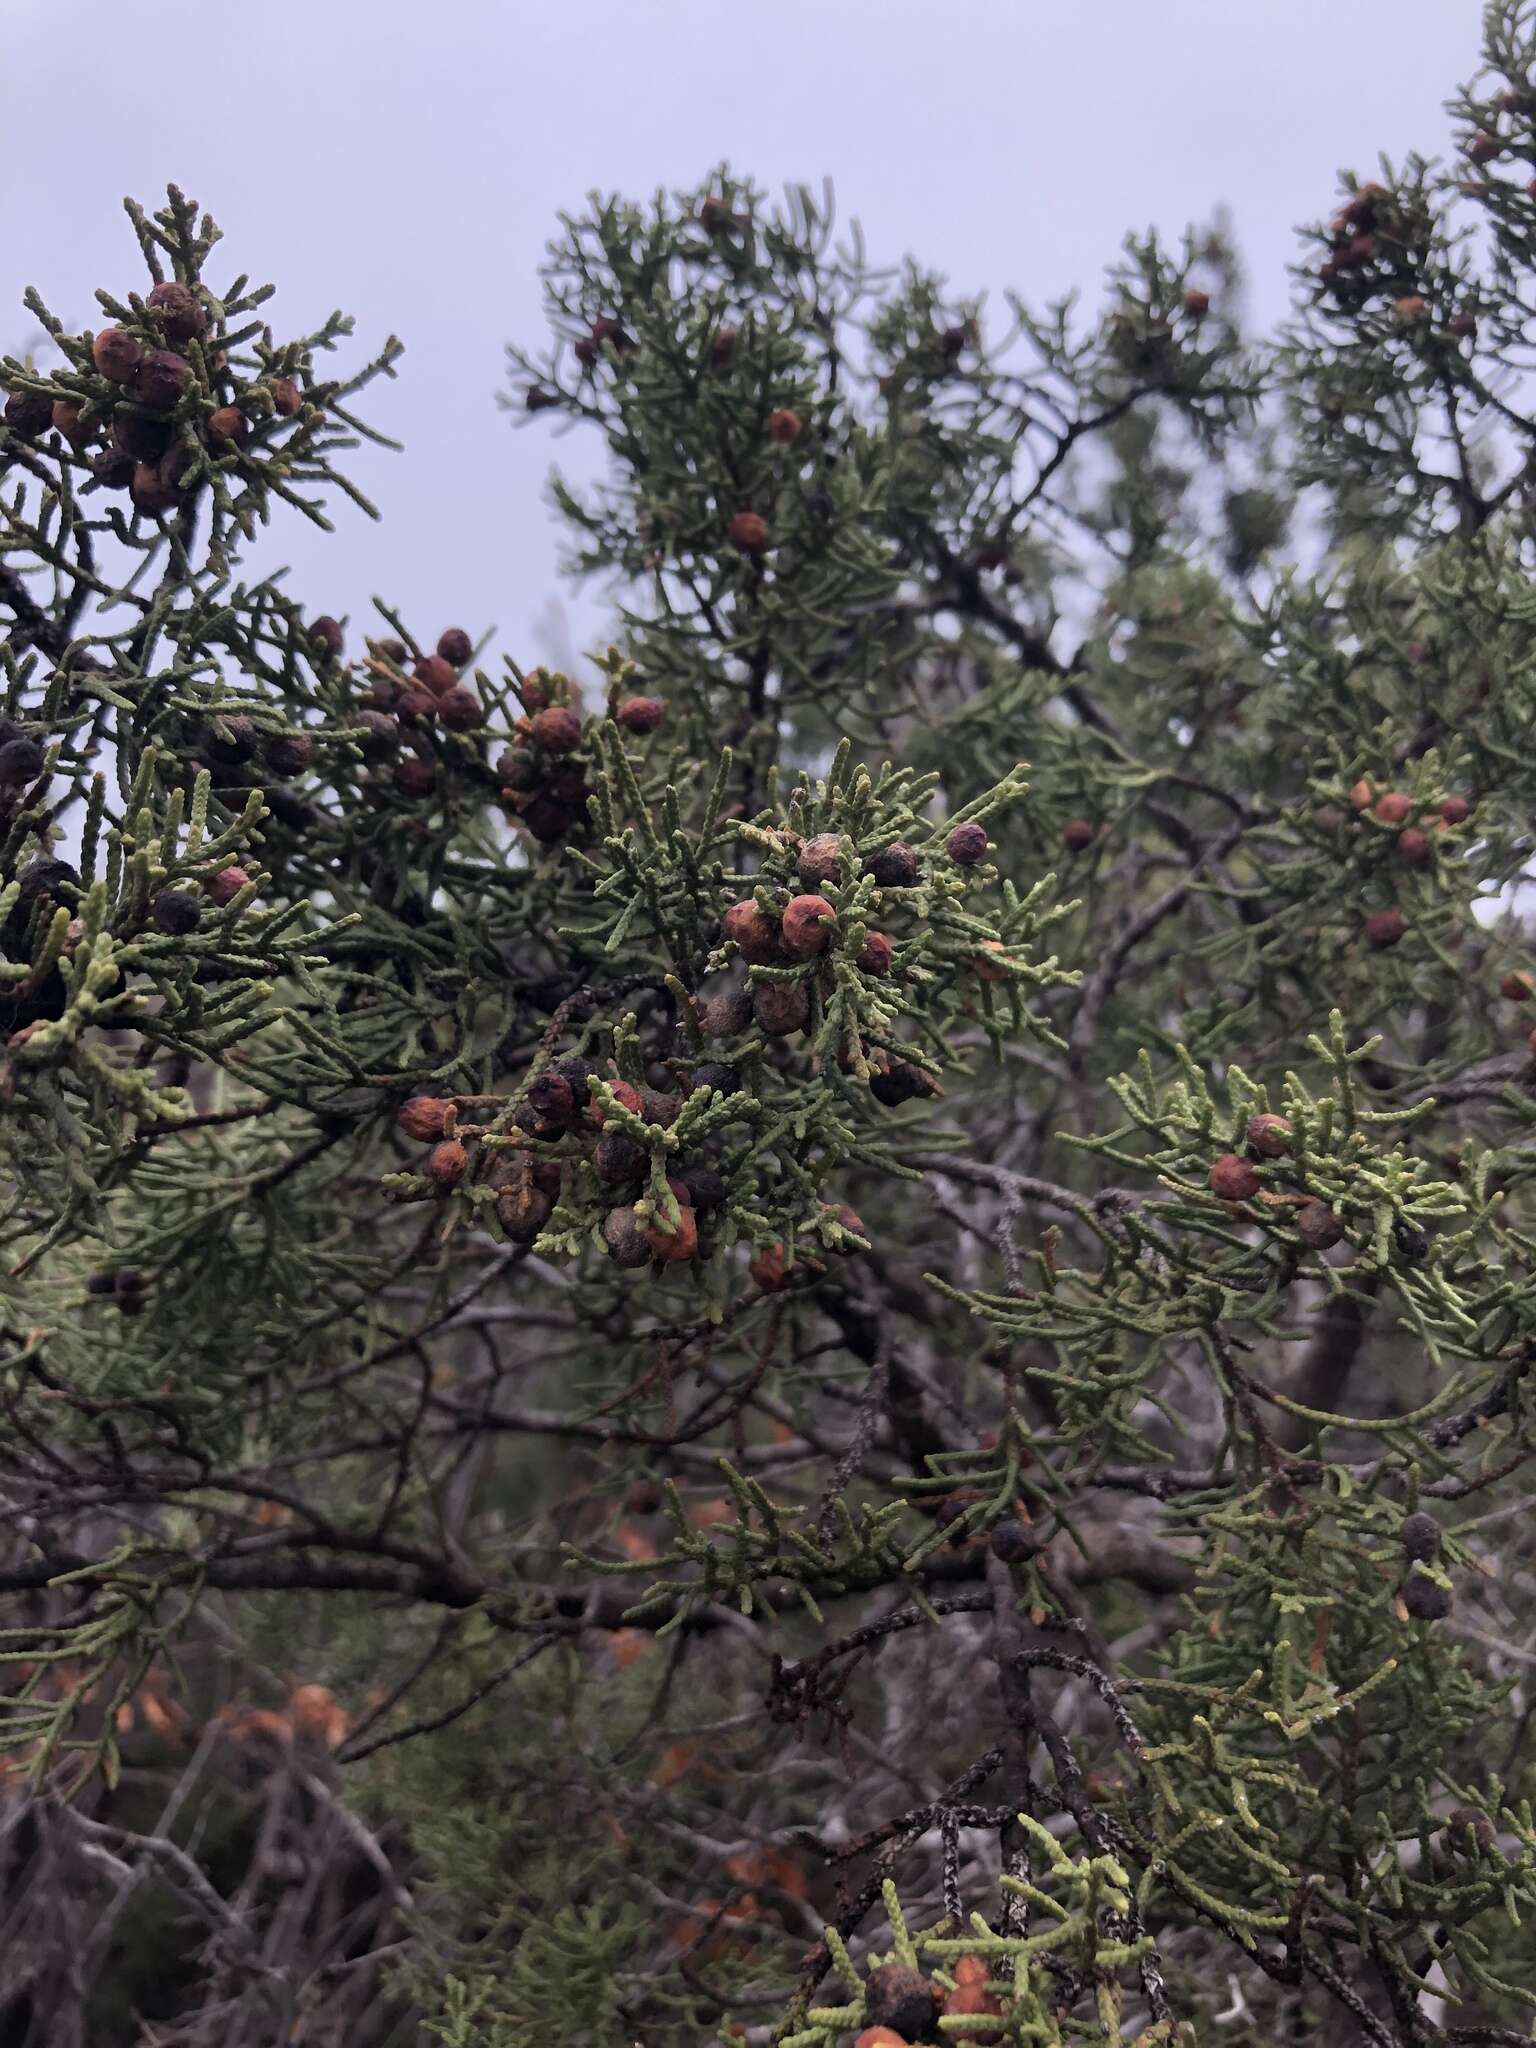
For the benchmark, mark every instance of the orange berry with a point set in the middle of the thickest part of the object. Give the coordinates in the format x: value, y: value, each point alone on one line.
x: 681, y: 1242
x: 807, y: 925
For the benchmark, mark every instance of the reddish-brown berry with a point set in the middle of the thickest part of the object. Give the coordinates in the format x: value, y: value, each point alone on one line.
x: 967, y: 844
x: 1483, y: 148
x: 1410, y: 310
x: 807, y: 926
x: 1455, y: 810
x: 552, y: 1098
x: 436, y: 675
x: 27, y: 414
x: 228, y: 427
x: 557, y: 730
x: 150, y: 490
x: 677, y: 1243
x: 1077, y: 835
x: 1362, y: 794
x: 69, y: 420
x: 624, y: 1093
x: 1469, y: 1832
x: 446, y: 1163
x: 135, y: 433
x: 784, y: 426
x: 424, y: 1117
x: 415, y: 705
x: 325, y: 634
x: 112, y: 471
x: 460, y: 709
x: 161, y: 378
x: 1413, y: 847
x: 770, y: 1270
x: 895, y: 868
x: 226, y: 885
x: 455, y: 646
x: 1197, y: 304
x: 117, y: 355
x: 749, y: 532
x: 851, y: 1222
x: 723, y: 347
x: 1518, y: 986
x: 286, y: 397
x: 1317, y: 1226
x: 876, y: 953
x: 380, y: 734
x: 821, y: 859
x: 415, y: 776
x: 1234, y: 1179
x: 1385, y: 928
x: 657, y: 1107
x: 641, y: 714
x: 753, y: 933
x: 781, y: 1007
x: 290, y: 753
x: 1392, y: 807
x: 1269, y: 1136
x: 181, y: 313
x: 724, y: 1015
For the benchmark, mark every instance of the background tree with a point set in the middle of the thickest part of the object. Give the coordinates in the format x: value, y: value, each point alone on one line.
x: 822, y: 1336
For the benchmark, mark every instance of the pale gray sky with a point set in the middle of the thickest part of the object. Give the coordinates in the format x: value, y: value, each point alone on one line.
x: 406, y: 161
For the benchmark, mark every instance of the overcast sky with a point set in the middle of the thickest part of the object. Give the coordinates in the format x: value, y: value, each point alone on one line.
x: 405, y: 159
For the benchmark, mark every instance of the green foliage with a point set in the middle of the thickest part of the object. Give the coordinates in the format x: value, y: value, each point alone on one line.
x: 877, y: 1250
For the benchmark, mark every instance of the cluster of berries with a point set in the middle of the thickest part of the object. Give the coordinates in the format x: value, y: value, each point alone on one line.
x: 799, y: 934
x: 408, y: 698
x: 147, y: 418
x: 902, y: 2006
x: 543, y: 776
x: 1413, y: 827
x: 562, y: 1105
x: 1235, y: 1178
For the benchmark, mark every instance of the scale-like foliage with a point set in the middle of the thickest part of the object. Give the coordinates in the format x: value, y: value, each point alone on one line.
x: 823, y: 1333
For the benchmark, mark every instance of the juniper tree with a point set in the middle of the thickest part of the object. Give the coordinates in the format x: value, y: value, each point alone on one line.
x: 820, y: 1335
